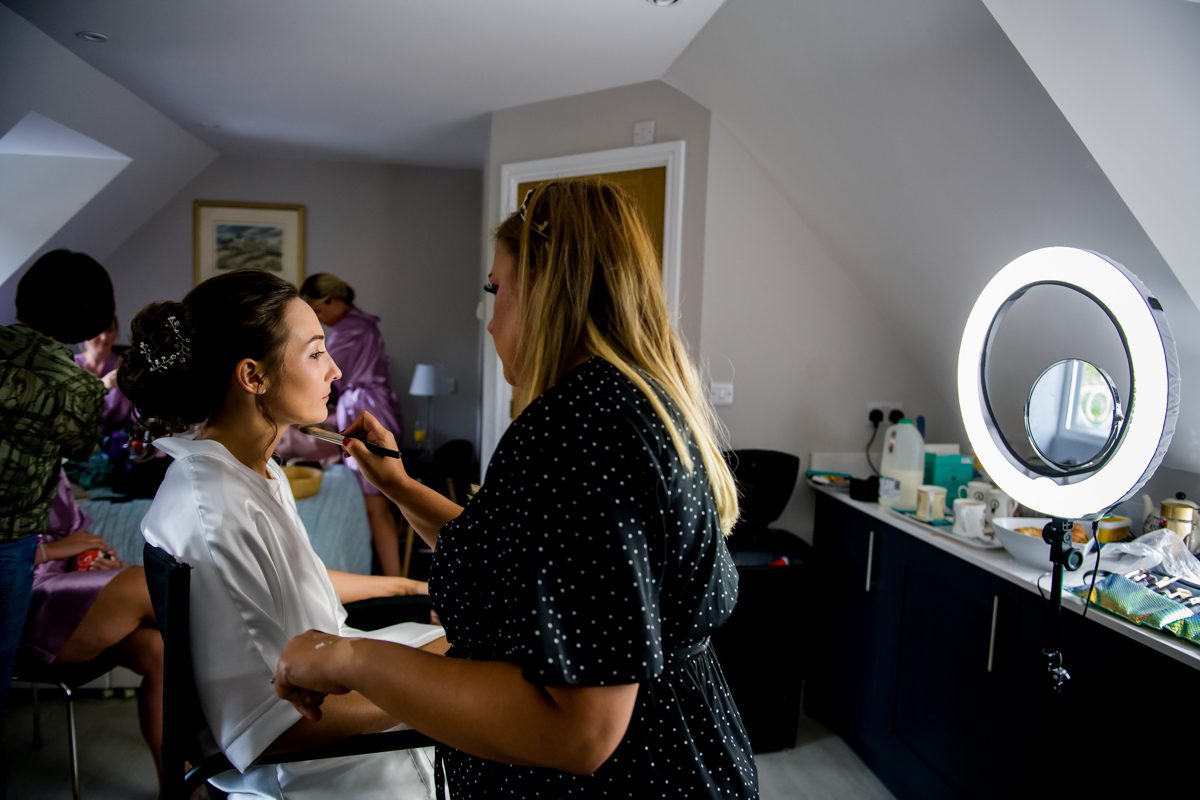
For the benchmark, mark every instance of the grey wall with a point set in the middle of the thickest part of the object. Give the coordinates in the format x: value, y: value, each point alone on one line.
x: 1125, y: 75
x: 804, y: 346
x: 604, y: 121
x: 916, y: 146
x: 593, y: 122
x: 406, y: 238
x: 40, y: 75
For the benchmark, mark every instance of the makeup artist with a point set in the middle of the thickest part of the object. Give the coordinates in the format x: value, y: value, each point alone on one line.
x: 580, y: 586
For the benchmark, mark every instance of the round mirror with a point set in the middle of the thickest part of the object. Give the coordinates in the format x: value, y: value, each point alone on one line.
x: 1073, y: 415
x: 1057, y: 323
x: 1040, y: 467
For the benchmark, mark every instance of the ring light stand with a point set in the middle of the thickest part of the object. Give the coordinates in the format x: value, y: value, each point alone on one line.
x: 1137, y: 442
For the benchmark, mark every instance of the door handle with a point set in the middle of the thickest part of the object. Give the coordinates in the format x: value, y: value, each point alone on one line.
x: 992, y: 637
x: 870, y: 558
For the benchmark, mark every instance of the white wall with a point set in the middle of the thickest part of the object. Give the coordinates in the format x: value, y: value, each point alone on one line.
x: 804, y: 347
x: 40, y: 75
x: 404, y: 237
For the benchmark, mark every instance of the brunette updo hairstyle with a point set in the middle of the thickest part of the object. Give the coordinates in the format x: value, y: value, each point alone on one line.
x: 178, y: 368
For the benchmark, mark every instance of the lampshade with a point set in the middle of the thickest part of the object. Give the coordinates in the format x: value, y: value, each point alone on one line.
x: 424, y: 381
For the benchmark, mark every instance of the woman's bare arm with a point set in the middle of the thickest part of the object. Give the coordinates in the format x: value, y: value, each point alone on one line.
x: 351, y: 586
x: 425, y: 509
x: 344, y: 715
x: 485, y: 708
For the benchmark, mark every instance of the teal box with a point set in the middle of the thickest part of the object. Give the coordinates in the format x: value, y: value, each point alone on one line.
x: 949, y: 471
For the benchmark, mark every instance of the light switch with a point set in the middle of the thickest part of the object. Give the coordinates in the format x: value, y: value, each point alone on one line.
x: 643, y: 132
x: 721, y: 394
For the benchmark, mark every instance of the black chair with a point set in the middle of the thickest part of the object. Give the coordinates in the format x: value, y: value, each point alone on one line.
x: 68, y: 678
x: 765, y: 481
x: 169, y: 581
x: 450, y: 470
x: 761, y: 647
x: 456, y: 461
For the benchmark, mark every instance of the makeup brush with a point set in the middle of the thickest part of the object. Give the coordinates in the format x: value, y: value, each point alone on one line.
x: 333, y: 437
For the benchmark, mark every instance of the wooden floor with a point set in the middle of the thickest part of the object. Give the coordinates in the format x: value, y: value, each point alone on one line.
x: 115, y: 765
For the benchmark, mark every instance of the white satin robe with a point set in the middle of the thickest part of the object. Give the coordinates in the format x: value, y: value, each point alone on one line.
x: 256, y: 582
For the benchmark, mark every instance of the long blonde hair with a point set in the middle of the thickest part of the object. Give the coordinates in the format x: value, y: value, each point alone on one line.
x: 322, y: 286
x: 588, y: 280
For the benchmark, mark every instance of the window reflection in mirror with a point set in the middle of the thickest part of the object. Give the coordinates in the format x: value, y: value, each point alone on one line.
x: 1048, y: 324
x: 1072, y: 414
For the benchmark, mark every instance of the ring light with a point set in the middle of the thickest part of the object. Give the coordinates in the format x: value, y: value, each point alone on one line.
x: 1149, y: 420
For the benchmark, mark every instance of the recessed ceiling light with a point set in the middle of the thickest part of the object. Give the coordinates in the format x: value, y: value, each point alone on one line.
x: 91, y: 36
x: 662, y: 2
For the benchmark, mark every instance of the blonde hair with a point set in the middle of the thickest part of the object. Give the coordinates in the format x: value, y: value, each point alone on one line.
x: 322, y: 286
x: 588, y: 280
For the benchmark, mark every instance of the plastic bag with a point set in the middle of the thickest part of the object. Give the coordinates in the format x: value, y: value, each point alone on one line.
x: 1162, y: 549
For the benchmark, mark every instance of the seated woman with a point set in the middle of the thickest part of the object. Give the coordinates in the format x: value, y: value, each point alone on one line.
x: 244, y: 356
x: 75, y: 615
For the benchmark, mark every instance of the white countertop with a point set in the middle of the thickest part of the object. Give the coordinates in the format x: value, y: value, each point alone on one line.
x: 1000, y: 563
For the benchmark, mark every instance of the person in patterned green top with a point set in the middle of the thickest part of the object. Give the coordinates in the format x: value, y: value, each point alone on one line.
x: 49, y: 409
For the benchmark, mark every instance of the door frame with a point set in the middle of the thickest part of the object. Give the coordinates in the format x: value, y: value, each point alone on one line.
x: 497, y: 394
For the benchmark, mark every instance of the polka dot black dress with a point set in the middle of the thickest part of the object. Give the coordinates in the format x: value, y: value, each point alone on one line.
x: 591, y: 557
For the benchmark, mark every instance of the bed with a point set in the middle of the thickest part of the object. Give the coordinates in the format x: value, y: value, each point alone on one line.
x: 335, y: 517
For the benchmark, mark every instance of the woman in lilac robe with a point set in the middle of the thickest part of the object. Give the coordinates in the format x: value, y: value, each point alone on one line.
x: 356, y: 346
x: 99, y: 359
x: 75, y: 615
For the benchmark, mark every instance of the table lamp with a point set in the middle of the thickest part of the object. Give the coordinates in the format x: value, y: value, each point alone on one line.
x: 424, y: 384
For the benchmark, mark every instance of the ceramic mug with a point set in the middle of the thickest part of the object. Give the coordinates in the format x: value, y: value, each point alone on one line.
x: 968, y: 517
x: 931, y: 502
x: 1000, y: 505
x: 976, y: 490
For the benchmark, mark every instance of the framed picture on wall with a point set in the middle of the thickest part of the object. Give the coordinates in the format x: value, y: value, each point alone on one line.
x: 229, y: 236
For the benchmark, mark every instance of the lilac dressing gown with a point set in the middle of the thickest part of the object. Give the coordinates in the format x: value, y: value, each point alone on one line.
x: 117, y: 408
x: 61, y: 597
x: 356, y: 346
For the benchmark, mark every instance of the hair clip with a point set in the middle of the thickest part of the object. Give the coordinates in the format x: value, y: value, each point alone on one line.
x: 181, y: 354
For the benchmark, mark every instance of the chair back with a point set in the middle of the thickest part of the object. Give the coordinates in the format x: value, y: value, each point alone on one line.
x: 169, y: 581
x: 456, y: 460
x: 765, y: 480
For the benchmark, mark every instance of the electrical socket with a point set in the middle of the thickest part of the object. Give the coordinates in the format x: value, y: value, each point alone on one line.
x: 720, y: 394
x: 885, y: 407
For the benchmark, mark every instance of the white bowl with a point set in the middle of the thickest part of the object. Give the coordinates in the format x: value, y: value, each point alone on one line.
x: 1032, y: 551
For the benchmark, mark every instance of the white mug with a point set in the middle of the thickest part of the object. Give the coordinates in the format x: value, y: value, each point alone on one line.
x: 975, y: 490
x: 931, y: 502
x: 1000, y: 505
x: 968, y: 517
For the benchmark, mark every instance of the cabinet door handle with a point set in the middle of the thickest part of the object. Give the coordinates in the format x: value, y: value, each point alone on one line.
x: 992, y: 637
x: 870, y: 558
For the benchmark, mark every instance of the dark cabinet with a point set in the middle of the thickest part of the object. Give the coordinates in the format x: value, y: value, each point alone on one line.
x: 960, y: 706
x: 856, y: 639
x: 931, y: 668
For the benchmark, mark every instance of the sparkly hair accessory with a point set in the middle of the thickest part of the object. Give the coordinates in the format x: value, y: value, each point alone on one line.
x: 535, y: 226
x: 180, y: 356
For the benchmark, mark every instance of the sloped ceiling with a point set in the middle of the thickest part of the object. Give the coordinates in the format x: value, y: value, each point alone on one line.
x: 918, y: 144
x: 1127, y: 78
x: 392, y: 81
x: 41, y: 76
